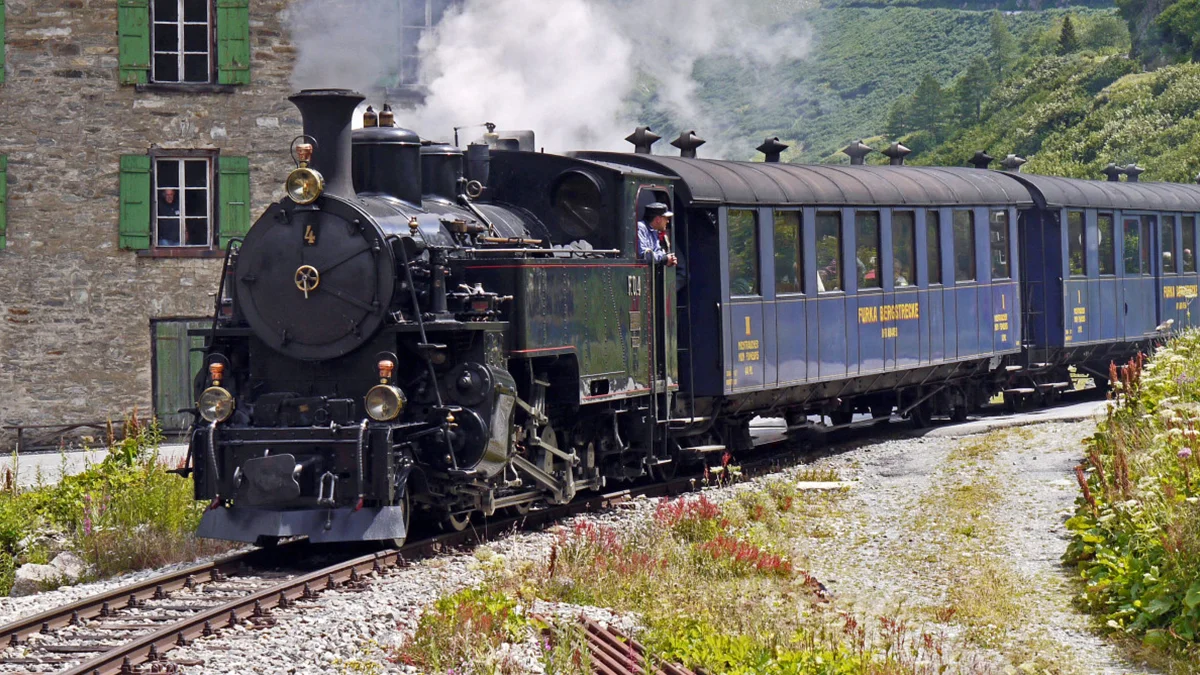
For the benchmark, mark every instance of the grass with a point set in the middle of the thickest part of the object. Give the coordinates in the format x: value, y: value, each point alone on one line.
x: 124, y: 513
x: 715, y: 585
x: 1136, y: 530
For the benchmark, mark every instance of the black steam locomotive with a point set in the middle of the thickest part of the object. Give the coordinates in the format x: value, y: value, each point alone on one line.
x: 415, y: 329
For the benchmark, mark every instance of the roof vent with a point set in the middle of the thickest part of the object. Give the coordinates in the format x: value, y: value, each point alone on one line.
x: 896, y: 154
x: 1132, y: 172
x: 1111, y: 173
x: 981, y: 160
x: 1198, y: 179
x: 857, y: 152
x: 772, y: 148
x: 1012, y: 163
x: 642, y: 139
x: 687, y: 143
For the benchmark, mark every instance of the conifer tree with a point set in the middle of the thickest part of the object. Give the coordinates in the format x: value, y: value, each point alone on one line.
x: 971, y: 90
x: 1003, y: 44
x: 1068, y: 41
x: 928, y: 107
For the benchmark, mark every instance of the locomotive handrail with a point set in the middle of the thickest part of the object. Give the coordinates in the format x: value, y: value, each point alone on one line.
x: 544, y: 251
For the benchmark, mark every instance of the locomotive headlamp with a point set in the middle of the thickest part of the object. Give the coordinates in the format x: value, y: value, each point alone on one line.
x: 215, y: 404
x: 384, y: 402
x: 304, y: 185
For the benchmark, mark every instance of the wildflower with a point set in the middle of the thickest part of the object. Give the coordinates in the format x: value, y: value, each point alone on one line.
x: 1185, y: 454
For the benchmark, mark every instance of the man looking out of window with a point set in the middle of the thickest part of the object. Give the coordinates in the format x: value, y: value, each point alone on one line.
x: 651, y: 231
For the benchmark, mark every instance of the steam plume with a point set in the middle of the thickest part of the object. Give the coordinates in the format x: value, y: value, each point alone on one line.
x: 581, y: 73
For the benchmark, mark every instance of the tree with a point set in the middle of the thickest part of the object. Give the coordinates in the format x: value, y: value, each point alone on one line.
x: 1003, y: 44
x: 1068, y: 41
x: 898, y: 118
x: 1179, y: 24
x: 928, y: 107
x: 970, y: 91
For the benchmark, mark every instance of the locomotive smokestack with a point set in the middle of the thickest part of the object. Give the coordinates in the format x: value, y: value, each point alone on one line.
x: 981, y: 160
x: 327, y: 114
x: 772, y: 148
x: 896, y: 152
x: 858, y: 152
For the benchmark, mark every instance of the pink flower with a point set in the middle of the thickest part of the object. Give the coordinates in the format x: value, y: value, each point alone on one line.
x: 1185, y: 453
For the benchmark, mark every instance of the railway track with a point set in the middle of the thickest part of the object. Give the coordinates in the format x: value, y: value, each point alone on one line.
x: 132, y: 629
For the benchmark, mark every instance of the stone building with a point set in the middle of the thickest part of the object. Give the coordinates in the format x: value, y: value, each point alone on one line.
x: 136, y: 137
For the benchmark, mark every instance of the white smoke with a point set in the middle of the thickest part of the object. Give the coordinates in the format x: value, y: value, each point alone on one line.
x: 574, y: 71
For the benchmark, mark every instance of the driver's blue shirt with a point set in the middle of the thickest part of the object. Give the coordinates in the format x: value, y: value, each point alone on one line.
x: 649, y: 247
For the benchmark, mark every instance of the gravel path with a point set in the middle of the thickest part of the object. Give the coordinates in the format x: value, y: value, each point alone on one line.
x: 926, y: 521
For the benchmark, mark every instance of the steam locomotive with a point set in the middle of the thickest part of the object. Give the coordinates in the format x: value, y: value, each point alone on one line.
x: 418, y: 329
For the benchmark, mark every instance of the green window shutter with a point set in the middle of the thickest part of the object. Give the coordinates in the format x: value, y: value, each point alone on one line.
x: 135, y: 202
x: 3, y: 202
x: 233, y: 41
x: 234, y: 193
x: 2, y: 42
x: 133, y: 40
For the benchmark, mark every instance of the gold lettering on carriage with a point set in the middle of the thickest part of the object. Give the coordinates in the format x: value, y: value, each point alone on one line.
x: 888, y: 313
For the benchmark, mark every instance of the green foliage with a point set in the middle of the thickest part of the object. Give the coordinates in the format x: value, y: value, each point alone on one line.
x: 1003, y: 45
x: 121, y: 514
x: 1136, y: 531
x: 1179, y: 25
x: 462, y: 632
x: 707, y: 645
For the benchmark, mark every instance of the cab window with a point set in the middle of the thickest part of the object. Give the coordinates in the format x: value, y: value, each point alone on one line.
x: 743, y: 252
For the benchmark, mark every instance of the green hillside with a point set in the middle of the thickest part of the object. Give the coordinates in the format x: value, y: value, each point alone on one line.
x: 862, y: 60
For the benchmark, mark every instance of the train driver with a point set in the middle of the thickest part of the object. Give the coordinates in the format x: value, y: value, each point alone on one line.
x: 651, y: 232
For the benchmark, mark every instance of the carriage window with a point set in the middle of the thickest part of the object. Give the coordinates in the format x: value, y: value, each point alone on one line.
x: 1075, y: 248
x: 1169, y: 258
x: 964, y: 246
x: 743, y: 252
x: 933, y: 245
x: 829, y: 252
x: 789, y: 263
x: 1133, y: 246
x: 1108, y: 252
x: 1189, y: 244
x: 1147, y: 221
x: 998, y: 234
x: 866, y: 228
x: 904, y: 245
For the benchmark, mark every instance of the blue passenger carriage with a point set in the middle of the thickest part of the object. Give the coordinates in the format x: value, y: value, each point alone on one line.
x: 839, y: 289
x: 1109, y: 266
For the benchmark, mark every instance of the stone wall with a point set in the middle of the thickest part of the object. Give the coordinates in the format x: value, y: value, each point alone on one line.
x: 75, y: 310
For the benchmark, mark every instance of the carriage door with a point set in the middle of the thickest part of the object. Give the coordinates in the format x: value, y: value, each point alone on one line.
x: 1140, y: 286
x: 1173, y: 289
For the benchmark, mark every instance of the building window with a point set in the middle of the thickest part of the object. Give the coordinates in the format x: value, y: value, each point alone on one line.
x: 933, y: 245
x: 183, y: 201
x: 417, y: 17
x: 182, y: 41
x: 789, y: 259
x: 904, y: 249
x: 964, y: 246
x: 1076, y: 258
x: 829, y: 252
x: 866, y: 229
x: 743, y: 252
x: 1108, y: 252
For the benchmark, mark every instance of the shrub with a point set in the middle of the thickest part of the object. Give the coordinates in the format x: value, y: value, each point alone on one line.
x: 465, y: 630
x: 1136, y: 531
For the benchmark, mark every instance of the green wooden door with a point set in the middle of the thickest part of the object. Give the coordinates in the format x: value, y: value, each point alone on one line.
x: 177, y: 359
